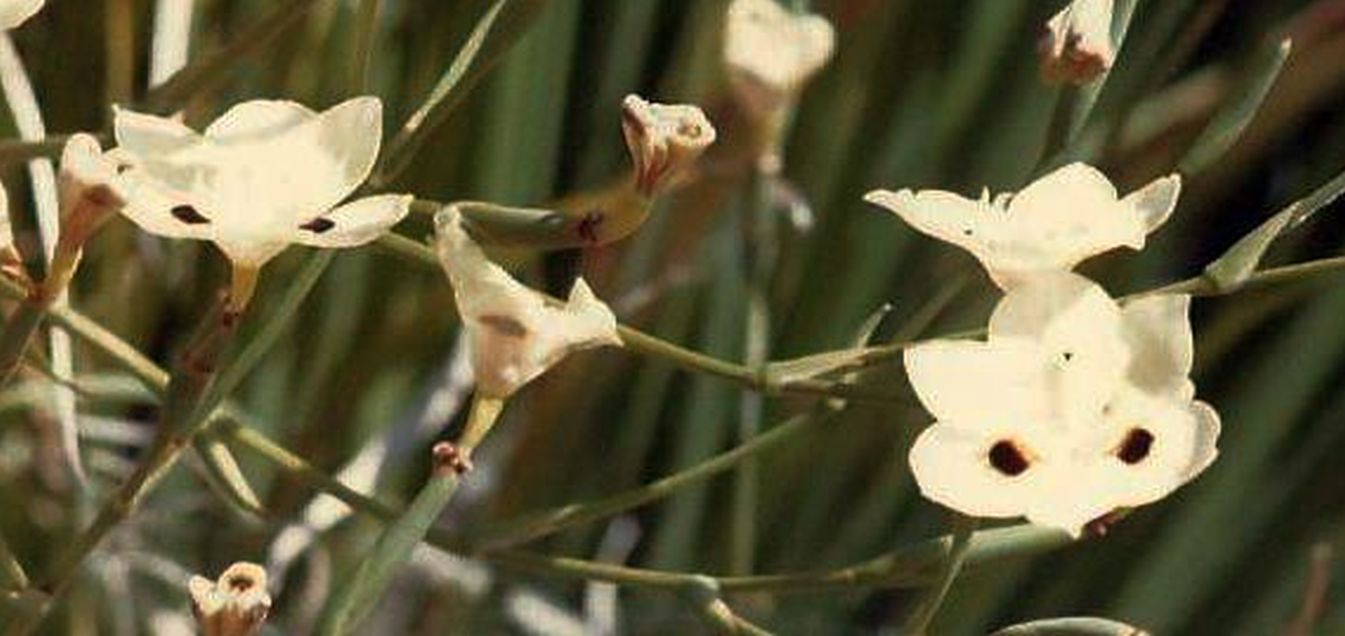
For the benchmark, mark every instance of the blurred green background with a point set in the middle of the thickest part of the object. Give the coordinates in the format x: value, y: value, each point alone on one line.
x: 920, y: 94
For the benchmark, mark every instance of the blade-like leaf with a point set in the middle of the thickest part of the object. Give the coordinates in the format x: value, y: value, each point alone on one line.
x: 1239, y: 111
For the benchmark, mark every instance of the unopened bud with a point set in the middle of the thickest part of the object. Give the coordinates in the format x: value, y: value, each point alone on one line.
x: 771, y: 53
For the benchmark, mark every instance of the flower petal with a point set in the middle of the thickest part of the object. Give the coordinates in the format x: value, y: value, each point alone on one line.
x: 1158, y: 329
x: 258, y: 119
x: 515, y: 333
x: 1153, y: 446
x: 15, y: 12
x: 1072, y: 214
x: 956, y: 466
x: 149, y: 135
x: 1078, y: 327
x: 355, y: 223
x: 946, y: 216
x: 972, y: 382
x: 1155, y: 201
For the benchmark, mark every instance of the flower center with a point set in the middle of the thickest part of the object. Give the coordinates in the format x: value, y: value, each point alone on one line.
x: 1006, y: 457
x: 1135, y: 447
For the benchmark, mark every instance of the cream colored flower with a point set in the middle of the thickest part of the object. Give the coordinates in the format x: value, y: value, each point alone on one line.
x: 1054, y: 223
x: 664, y: 140
x: 1073, y: 407
x: 15, y: 12
x: 771, y: 53
x: 265, y: 175
x: 234, y: 605
x: 1076, y: 45
x: 516, y: 334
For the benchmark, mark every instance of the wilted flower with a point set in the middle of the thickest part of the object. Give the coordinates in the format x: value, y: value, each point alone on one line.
x: 515, y: 333
x: 1059, y: 220
x: 664, y: 140
x: 234, y: 605
x: 16, y: 12
x: 1073, y: 407
x: 771, y: 53
x: 90, y: 191
x: 1076, y: 45
x: 263, y: 176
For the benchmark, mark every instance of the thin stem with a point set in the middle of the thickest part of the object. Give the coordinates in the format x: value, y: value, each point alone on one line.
x: 963, y: 527
x: 532, y: 526
x: 362, y: 50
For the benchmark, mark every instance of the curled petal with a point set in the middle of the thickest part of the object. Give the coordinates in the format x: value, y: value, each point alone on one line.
x: 1158, y: 329
x: 516, y: 334
x: 664, y: 140
x: 355, y: 223
x: 16, y: 12
x: 150, y: 135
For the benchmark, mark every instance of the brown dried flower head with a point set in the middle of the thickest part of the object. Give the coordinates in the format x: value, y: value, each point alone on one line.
x: 236, y: 604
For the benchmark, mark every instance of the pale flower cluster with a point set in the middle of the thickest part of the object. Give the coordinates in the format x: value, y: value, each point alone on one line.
x: 1074, y: 406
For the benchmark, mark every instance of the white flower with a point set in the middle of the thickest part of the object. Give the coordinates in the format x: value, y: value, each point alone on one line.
x: 1072, y: 407
x: 263, y: 176
x: 664, y: 140
x: 90, y: 186
x: 234, y: 605
x: 1076, y: 45
x: 515, y: 333
x: 771, y: 53
x: 16, y: 12
x: 1054, y: 223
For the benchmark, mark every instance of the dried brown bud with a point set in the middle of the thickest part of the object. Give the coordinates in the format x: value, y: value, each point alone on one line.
x: 1076, y: 45
x: 234, y: 605
x: 664, y: 140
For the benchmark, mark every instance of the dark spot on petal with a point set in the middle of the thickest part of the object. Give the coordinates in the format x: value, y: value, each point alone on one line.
x: 967, y: 232
x: 1136, y: 446
x: 505, y: 325
x: 188, y: 214
x: 1068, y: 355
x: 318, y: 225
x: 589, y: 224
x: 1007, y: 458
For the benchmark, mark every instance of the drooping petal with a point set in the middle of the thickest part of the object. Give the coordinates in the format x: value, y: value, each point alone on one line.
x: 1078, y: 328
x: 16, y: 12
x: 516, y: 334
x: 978, y: 382
x: 355, y: 223
x: 977, y: 470
x: 1158, y: 329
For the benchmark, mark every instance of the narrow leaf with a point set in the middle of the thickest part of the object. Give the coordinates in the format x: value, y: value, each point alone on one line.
x: 1240, y: 261
x: 1228, y: 124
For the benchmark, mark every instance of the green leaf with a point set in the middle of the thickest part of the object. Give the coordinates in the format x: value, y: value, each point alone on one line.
x: 1229, y: 122
x: 461, y: 72
x: 1237, y: 264
x: 1073, y: 626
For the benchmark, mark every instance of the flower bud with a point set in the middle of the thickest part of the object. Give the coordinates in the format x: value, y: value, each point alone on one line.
x: 1076, y: 45
x: 234, y: 605
x: 664, y: 140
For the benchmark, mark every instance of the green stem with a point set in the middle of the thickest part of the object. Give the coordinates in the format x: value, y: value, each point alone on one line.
x: 532, y: 526
x: 362, y: 50
x: 918, y: 624
x: 19, y: 331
